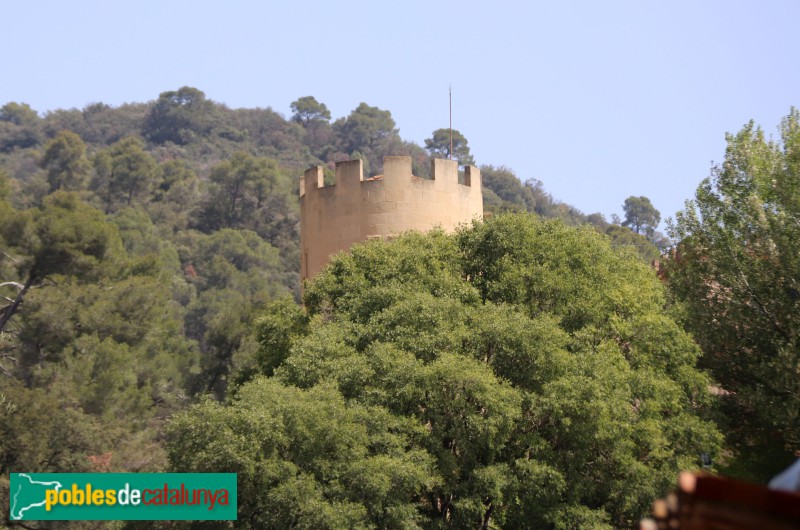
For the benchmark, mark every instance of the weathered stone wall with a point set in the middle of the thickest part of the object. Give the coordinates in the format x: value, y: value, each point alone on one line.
x: 333, y: 218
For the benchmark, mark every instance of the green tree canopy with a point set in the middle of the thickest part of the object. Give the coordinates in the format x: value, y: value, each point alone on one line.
x: 241, y: 188
x: 439, y: 146
x: 65, y: 162
x: 176, y: 195
x: 19, y: 126
x: 365, y: 128
x: 309, y: 460
x: 307, y: 110
x: 124, y: 173
x: 640, y: 215
x: 64, y: 237
x: 737, y: 271
x: 519, y: 374
x: 180, y: 116
x: 235, y: 272
x: 506, y: 185
x: 18, y: 114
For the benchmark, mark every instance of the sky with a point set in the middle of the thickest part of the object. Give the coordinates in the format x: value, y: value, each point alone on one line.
x: 598, y: 100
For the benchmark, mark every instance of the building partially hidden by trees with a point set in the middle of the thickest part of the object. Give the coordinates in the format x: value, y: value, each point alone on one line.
x: 513, y: 373
x: 517, y: 373
x: 333, y: 218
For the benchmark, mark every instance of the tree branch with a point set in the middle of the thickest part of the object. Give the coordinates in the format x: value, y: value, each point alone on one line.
x: 8, y: 311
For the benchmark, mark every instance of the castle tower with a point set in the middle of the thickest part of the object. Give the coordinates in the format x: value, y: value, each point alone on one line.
x: 333, y: 218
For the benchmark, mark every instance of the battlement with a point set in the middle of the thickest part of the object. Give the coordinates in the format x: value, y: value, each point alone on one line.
x: 397, y: 174
x: 334, y: 217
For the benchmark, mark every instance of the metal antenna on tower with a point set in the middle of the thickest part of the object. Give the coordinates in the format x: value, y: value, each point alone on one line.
x: 450, y: 93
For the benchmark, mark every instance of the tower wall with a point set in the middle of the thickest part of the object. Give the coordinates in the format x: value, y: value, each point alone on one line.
x: 333, y: 218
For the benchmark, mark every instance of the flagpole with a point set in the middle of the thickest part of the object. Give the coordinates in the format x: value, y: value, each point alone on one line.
x: 450, y: 93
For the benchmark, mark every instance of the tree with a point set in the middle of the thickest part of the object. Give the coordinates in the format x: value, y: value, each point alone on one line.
x: 307, y: 110
x: 622, y: 237
x: 235, y: 273
x: 104, y: 124
x: 19, y: 126
x: 176, y: 196
x: 177, y: 183
x: 124, y: 173
x: 18, y: 114
x: 93, y: 334
x: 179, y: 117
x: 524, y: 368
x: 65, y: 237
x: 310, y: 460
x: 315, y: 119
x: 365, y: 128
x: 241, y: 186
x: 35, y: 439
x: 65, y: 162
x: 640, y: 215
x: 253, y: 193
x: 736, y: 270
x: 503, y: 192
x: 503, y: 182
x: 439, y: 147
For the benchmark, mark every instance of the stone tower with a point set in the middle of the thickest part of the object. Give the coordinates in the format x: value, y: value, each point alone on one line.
x: 333, y: 218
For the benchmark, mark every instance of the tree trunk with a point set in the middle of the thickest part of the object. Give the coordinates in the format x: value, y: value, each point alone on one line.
x: 11, y: 309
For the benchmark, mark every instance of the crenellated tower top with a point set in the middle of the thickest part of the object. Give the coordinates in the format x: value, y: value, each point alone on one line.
x: 333, y: 218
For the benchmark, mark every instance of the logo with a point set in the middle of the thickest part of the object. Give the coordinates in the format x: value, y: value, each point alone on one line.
x: 122, y: 496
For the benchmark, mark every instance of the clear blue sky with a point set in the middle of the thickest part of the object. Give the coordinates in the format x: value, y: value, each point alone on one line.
x: 599, y: 100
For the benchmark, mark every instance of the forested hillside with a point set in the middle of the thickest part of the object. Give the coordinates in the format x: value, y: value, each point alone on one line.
x: 141, y: 243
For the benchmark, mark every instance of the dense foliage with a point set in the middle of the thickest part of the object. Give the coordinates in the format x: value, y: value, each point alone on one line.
x: 640, y: 215
x: 440, y: 142
x: 520, y: 374
x: 503, y: 192
x: 737, y: 271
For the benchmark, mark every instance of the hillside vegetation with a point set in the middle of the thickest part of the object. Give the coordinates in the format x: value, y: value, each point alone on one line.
x: 530, y: 371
